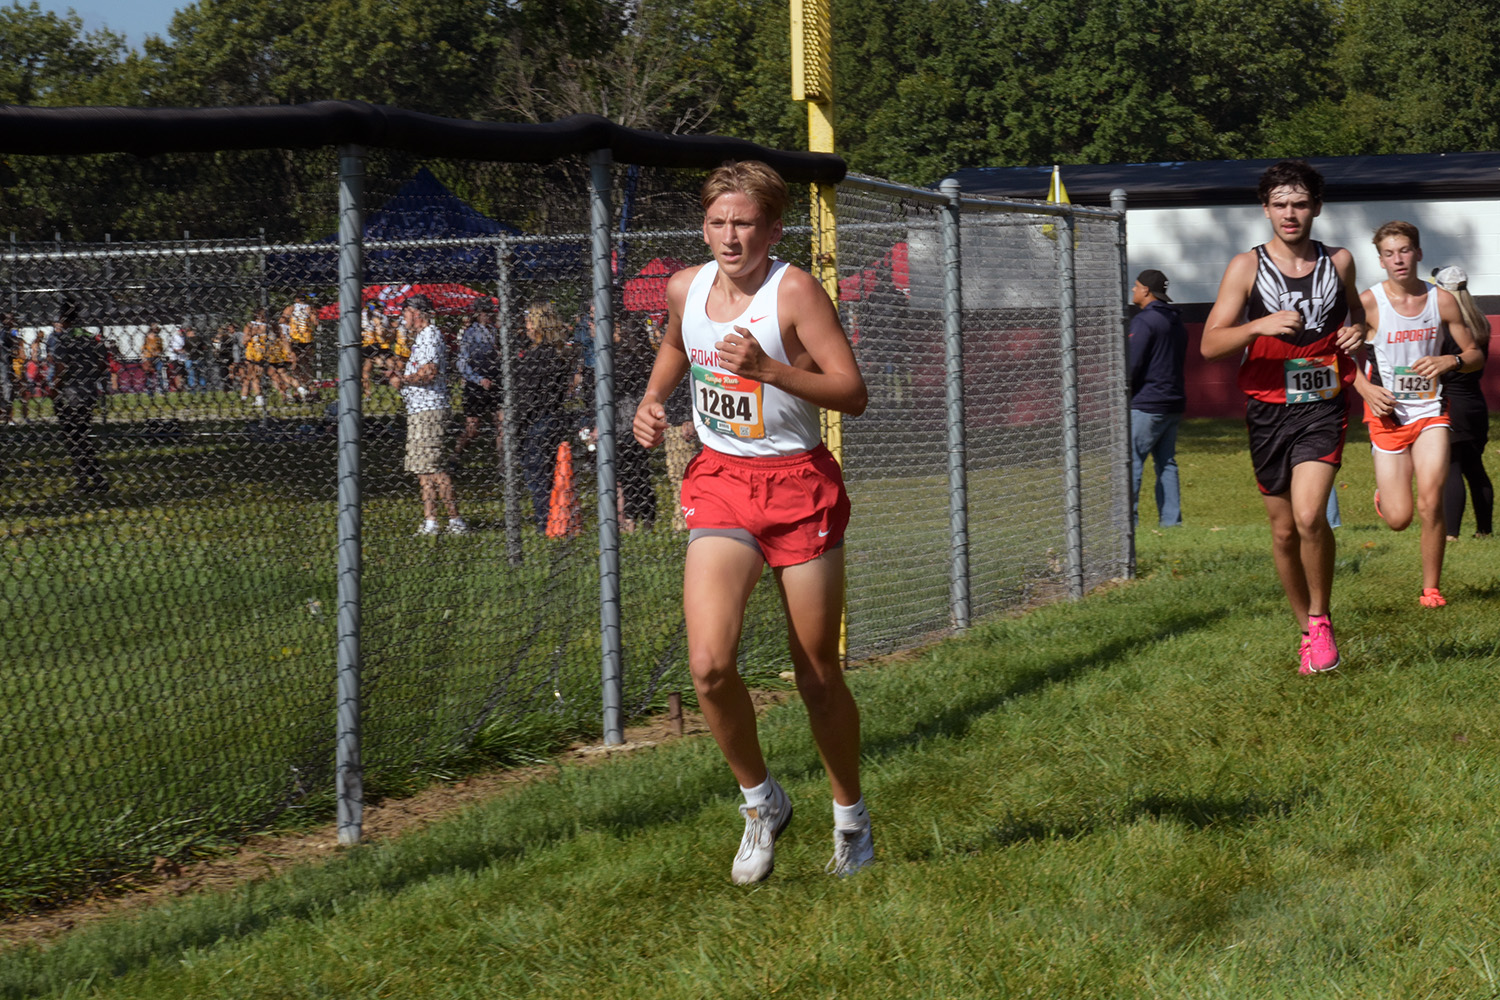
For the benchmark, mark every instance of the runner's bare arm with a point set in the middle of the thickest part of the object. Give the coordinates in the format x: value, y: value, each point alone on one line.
x: 1224, y: 333
x: 822, y: 368
x: 671, y: 364
x: 1380, y: 400
x: 1470, y: 358
x: 1350, y: 337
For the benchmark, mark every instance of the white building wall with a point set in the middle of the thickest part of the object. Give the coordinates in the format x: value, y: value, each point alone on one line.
x: 1193, y: 245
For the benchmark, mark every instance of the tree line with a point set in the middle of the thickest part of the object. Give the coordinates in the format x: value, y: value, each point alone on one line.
x: 921, y: 86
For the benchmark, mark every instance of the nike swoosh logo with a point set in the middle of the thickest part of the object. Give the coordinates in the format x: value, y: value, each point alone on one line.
x: 756, y: 319
x: 822, y: 534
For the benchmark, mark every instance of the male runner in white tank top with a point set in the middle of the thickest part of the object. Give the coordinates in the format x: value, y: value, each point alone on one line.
x: 1404, y: 408
x: 765, y: 349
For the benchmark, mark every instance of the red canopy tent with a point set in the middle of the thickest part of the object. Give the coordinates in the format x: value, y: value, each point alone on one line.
x: 862, y: 284
x: 445, y: 298
x: 647, y: 291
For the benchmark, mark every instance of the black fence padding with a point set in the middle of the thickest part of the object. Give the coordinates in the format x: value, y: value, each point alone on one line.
x: 149, y: 131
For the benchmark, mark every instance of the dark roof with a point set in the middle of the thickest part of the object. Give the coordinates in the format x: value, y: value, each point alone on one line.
x: 1233, y: 182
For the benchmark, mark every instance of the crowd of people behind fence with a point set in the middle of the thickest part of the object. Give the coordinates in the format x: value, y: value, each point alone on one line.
x: 273, y: 355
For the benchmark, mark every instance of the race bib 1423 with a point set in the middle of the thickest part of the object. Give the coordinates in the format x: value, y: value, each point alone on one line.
x: 1408, y: 386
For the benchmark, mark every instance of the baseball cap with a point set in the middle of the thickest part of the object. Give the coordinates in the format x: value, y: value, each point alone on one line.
x: 1451, y: 277
x: 1155, y: 282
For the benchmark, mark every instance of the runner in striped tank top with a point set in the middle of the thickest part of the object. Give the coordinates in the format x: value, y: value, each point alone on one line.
x: 1290, y: 309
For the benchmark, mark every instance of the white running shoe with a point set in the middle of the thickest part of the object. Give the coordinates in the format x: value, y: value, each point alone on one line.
x: 458, y: 526
x: 852, y: 850
x: 260, y: 401
x: 429, y: 528
x: 763, y: 824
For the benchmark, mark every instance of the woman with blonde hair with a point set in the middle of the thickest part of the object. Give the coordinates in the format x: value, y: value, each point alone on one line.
x: 544, y: 375
x: 1469, y: 418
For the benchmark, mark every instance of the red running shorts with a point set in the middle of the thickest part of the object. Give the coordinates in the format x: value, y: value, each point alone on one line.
x: 794, y: 506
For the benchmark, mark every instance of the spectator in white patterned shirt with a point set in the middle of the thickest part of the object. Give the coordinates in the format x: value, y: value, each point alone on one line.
x: 423, y: 384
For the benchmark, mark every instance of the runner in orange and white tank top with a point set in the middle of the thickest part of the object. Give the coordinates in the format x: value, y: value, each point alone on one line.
x: 764, y: 347
x: 1404, y: 408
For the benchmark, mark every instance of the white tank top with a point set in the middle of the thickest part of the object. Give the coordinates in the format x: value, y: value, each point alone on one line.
x: 1399, y: 342
x: 736, y: 415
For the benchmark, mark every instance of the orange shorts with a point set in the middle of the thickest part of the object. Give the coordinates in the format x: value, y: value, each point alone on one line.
x: 1394, y: 438
x: 795, y: 507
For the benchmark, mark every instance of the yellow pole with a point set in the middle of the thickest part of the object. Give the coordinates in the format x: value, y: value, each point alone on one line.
x: 812, y: 81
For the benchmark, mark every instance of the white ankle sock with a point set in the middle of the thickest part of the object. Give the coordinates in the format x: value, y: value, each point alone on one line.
x: 851, y: 817
x: 760, y: 794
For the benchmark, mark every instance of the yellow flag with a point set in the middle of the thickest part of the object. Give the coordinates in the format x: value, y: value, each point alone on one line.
x: 1056, y: 195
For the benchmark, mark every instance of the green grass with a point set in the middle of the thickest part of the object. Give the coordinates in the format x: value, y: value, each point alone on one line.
x: 168, y: 667
x: 169, y: 675
x: 1131, y: 796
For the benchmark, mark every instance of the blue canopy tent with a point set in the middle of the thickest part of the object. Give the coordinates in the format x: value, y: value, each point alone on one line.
x: 425, y: 211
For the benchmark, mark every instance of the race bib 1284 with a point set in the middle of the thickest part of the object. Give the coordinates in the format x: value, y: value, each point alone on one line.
x: 728, y: 404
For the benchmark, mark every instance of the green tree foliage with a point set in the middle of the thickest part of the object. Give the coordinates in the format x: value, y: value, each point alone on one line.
x: 921, y: 86
x: 49, y: 60
x: 1409, y: 78
x: 426, y: 55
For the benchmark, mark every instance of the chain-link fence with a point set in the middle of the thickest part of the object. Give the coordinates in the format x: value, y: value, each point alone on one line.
x: 208, y: 523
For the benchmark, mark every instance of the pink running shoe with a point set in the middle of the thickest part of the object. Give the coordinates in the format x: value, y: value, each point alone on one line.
x: 1377, y: 506
x: 1432, y: 598
x: 1304, y: 654
x: 1321, y: 652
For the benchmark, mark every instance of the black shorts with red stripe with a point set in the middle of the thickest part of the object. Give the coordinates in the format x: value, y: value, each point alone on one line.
x: 1282, y: 437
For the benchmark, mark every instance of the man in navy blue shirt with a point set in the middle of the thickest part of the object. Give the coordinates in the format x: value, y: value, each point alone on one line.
x: 1158, y: 345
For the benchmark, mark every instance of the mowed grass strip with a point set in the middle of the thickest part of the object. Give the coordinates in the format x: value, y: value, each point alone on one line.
x: 1132, y: 796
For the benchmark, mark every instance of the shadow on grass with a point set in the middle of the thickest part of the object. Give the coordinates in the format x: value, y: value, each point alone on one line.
x: 631, y: 796
x: 1114, y: 649
x: 1200, y: 812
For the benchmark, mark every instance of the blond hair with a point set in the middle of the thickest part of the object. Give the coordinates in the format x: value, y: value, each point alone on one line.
x: 1397, y: 227
x: 753, y: 179
x: 1475, y: 321
x: 1454, y: 280
x: 542, y: 317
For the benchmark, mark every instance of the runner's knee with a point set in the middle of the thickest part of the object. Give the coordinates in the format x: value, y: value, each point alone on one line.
x: 820, y: 688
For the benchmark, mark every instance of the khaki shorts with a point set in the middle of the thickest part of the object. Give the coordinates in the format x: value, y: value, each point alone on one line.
x: 425, y: 431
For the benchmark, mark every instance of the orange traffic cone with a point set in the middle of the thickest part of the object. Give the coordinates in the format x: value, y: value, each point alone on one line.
x: 564, y: 519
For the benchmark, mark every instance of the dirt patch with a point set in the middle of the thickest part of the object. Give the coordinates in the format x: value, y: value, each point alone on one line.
x: 267, y: 856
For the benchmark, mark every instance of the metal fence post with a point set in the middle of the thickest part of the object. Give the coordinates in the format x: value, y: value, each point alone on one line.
x: 350, y: 771
x: 508, y: 408
x: 604, y: 422
x: 265, y: 289
x: 1117, y: 202
x: 1072, y: 470
x: 950, y: 218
